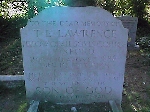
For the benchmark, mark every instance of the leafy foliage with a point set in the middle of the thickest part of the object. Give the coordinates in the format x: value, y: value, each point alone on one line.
x: 109, y: 5
x: 126, y: 7
x: 136, y: 8
x: 12, y: 9
x: 139, y: 8
x: 144, y: 43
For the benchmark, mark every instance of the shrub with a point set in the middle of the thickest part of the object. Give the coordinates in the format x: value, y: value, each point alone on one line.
x: 144, y: 43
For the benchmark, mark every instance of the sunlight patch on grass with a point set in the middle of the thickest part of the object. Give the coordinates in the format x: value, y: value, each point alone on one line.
x: 134, y: 108
x: 130, y: 97
x: 135, y: 94
x: 22, y: 107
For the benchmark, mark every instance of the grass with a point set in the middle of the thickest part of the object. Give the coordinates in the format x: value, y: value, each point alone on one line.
x: 12, y: 65
x: 13, y: 99
x: 133, y: 102
x: 10, y: 46
x: 136, y: 96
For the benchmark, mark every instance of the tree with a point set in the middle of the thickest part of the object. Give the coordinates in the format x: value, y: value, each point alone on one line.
x: 139, y: 8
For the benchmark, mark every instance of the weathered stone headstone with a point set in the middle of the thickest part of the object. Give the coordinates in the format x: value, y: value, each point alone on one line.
x: 131, y: 24
x: 74, y: 55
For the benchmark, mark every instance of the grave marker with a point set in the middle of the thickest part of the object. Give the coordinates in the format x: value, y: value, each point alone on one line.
x: 74, y: 55
x: 131, y: 24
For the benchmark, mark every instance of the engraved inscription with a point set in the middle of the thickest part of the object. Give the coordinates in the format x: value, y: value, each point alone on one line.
x: 70, y: 58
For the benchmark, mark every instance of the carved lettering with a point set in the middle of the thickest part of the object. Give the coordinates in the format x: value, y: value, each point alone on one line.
x: 69, y: 90
x: 73, y: 60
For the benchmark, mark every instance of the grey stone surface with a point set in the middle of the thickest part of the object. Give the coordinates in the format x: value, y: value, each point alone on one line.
x: 11, y: 77
x: 74, y: 55
x: 131, y: 24
x: 33, y: 106
x: 115, y: 107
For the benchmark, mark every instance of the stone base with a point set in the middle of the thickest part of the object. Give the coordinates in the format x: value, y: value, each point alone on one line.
x: 35, y: 106
x: 115, y: 107
x: 11, y: 77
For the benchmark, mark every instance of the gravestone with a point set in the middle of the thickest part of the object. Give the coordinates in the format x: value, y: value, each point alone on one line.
x: 74, y: 55
x: 131, y: 24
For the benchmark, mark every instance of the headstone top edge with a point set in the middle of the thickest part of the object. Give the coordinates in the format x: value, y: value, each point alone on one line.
x: 128, y: 17
x: 67, y: 8
x: 92, y: 8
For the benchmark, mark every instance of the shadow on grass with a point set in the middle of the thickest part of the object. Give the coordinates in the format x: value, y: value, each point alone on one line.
x: 132, y: 102
x: 13, y: 99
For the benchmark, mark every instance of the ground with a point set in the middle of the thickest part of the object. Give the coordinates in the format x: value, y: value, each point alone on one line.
x: 136, y: 93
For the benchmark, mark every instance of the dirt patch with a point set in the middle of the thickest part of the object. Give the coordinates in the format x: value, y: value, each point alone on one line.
x: 136, y: 93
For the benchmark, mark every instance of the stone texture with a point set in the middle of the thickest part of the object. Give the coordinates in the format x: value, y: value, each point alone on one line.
x: 74, y: 55
x: 131, y: 24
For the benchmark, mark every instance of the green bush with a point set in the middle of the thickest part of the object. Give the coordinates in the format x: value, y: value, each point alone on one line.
x: 139, y: 8
x: 12, y: 9
x: 144, y: 43
x: 136, y: 8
